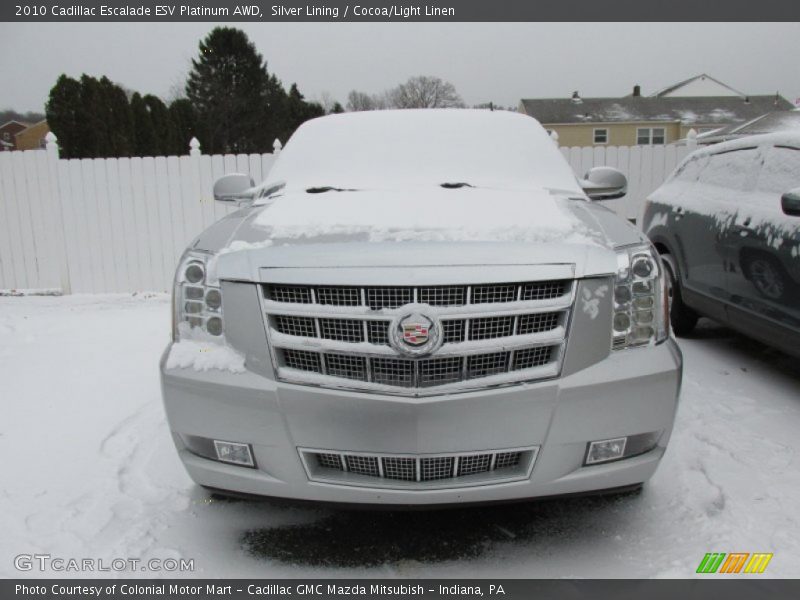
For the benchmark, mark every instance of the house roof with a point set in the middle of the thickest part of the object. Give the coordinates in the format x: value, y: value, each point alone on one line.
x: 11, y: 122
x: 783, y: 120
x: 676, y: 86
x: 703, y: 110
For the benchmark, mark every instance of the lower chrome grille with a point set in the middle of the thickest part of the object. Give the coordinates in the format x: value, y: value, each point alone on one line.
x: 347, y: 366
x: 478, y: 463
x: 392, y: 371
x: 439, y: 467
x: 302, y: 360
x: 418, y: 471
x: 404, y: 469
x: 425, y: 372
x: 363, y: 337
x: 366, y: 465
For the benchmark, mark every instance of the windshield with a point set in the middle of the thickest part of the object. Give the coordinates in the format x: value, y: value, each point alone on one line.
x: 450, y: 148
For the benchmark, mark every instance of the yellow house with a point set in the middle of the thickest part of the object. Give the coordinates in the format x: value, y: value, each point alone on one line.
x: 662, y: 118
x: 32, y: 137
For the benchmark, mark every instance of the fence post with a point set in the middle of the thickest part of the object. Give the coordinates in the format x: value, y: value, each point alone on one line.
x: 57, y: 212
x: 691, y: 140
x: 194, y: 147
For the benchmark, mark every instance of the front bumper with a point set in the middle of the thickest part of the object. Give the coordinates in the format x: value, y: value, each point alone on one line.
x: 628, y: 393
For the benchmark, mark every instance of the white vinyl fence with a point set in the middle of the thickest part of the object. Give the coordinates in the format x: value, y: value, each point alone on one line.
x: 106, y: 225
x: 646, y: 168
x: 120, y: 224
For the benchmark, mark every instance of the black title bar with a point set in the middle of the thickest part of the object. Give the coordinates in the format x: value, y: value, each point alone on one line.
x: 373, y: 11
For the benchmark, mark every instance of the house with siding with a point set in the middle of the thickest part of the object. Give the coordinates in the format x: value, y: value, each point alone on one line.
x: 32, y: 137
x: 8, y: 134
x: 701, y: 103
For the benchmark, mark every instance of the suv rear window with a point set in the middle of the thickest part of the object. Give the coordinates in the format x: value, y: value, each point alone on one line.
x: 732, y: 169
x: 690, y: 170
x: 781, y: 170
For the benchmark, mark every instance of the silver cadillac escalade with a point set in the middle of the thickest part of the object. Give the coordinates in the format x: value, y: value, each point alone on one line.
x: 420, y: 308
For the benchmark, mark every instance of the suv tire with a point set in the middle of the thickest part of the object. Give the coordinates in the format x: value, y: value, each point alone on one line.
x: 682, y: 318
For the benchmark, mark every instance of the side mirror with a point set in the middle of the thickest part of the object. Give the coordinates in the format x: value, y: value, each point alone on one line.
x: 604, y: 183
x: 790, y: 203
x: 234, y: 189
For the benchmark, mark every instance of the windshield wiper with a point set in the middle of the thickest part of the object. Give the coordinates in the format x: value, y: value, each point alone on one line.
x: 455, y: 185
x: 326, y: 188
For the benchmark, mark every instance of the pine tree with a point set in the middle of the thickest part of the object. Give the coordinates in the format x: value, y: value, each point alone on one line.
x: 162, y: 125
x: 298, y: 111
x: 93, y: 112
x: 184, y: 122
x: 230, y: 90
x: 61, y: 112
x: 144, y: 133
x: 119, y: 119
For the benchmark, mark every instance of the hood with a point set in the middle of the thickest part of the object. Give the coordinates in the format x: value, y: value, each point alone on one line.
x: 417, y: 228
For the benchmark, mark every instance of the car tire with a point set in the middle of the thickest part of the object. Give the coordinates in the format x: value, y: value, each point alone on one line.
x: 767, y: 276
x: 682, y: 317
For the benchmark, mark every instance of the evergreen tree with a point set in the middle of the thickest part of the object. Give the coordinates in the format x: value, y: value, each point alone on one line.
x: 337, y: 108
x: 144, y: 132
x: 163, y: 133
x: 61, y: 111
x: 298, y: 111
x: 184, y: 125
x: 119, y: 119
x: 92, y: 112
x: 231, y: 92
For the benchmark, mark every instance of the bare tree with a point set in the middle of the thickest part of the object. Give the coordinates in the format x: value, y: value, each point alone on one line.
x: 425, y: 91
x: 326, y: 101
x: 357, y: 101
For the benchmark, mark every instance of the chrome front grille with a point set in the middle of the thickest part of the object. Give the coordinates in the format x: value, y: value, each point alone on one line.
x: 418, y: 471
x: 491, y: 334
x: 393, y: 297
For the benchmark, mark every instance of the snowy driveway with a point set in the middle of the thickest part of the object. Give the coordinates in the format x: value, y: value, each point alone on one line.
x: 89, y: 470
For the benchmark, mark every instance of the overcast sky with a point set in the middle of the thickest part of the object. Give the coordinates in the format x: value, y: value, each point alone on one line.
x: 499, y: 62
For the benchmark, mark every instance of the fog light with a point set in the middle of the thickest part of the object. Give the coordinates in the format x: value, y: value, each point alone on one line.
x: 605, y: 450
x: 231, y: 452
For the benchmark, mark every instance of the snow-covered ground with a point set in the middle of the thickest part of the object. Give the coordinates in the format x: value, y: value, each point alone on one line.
x: 88, y: 470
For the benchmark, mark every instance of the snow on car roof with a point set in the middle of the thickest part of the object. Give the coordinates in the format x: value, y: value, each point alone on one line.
x: 388, y: 149
x: 788, y: 138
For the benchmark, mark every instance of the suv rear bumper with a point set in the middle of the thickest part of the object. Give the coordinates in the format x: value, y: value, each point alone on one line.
x: 630, y: 392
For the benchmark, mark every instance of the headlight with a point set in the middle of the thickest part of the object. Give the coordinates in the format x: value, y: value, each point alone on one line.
x: 197, y: 299
x: 640, y: 301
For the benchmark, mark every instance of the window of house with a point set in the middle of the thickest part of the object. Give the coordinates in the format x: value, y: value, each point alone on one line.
x: 647, y: 136
x: 601, y: 136
x: 6, y: 136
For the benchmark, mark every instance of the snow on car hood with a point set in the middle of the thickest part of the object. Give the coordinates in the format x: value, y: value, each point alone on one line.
x: 428, y: 214
x: 417, y: 227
